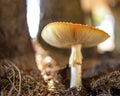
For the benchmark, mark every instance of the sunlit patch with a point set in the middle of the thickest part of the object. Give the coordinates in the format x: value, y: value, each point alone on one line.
x: 33, y: 16
x: 48, y: 59
x: 108, y: 26
x: 39, y: 59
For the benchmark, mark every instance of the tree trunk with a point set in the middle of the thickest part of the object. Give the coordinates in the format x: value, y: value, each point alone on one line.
x: 54, y: 11
x: 15, y: 41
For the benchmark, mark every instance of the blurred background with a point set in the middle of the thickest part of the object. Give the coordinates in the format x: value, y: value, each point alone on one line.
x: 98, y: 13
x: 22, y: 22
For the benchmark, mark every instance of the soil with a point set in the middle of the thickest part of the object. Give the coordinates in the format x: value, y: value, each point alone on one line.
x: 103, y: 79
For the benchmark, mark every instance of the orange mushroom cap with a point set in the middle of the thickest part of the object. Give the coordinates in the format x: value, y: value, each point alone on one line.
x: 64, y: 35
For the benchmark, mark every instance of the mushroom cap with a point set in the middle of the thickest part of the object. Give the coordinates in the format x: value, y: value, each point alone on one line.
x: 64, y: 35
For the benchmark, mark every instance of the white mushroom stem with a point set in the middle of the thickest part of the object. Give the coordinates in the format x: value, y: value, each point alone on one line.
x: 75, y: 62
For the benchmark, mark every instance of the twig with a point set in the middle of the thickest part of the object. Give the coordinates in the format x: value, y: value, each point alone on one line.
x: 12, y: 83
x: 19, y: 78
x: 11, y: 89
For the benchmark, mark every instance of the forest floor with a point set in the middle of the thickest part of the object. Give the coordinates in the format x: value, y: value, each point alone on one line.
x: 102, y: 79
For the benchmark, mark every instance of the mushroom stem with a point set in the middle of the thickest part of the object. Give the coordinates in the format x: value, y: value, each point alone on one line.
x: 75, y: 63
x: 76, y: 76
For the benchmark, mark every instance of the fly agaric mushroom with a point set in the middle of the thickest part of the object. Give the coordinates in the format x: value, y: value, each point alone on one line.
x: 74, y: 36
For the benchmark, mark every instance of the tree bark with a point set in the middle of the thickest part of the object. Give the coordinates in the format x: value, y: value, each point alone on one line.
x: 15, y: 43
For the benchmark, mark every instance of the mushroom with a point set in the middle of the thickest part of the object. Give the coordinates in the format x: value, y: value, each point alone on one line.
x: 74, y: 36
